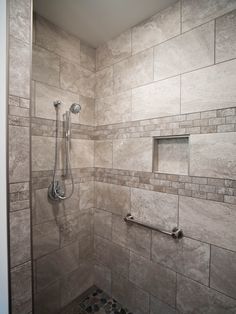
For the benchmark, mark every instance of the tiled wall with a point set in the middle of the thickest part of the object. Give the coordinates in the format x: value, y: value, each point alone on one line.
x: 19, y: 155
x: 171, y: 75
x: 64, y: 69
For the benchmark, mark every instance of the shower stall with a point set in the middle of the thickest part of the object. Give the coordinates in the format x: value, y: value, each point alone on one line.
x: 122, y: 157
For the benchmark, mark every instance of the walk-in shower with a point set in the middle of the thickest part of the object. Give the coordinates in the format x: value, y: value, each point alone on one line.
x: 56, y: 190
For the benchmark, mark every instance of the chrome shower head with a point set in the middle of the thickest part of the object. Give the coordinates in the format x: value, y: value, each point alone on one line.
x: 75, y: 108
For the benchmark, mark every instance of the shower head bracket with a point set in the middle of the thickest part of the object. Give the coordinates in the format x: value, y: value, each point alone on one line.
x: 57, y: 103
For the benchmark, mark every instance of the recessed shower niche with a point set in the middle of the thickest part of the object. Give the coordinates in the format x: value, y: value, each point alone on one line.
x: 171, y: 155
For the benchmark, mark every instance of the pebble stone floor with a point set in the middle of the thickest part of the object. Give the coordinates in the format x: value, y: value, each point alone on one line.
x: 96, y: 301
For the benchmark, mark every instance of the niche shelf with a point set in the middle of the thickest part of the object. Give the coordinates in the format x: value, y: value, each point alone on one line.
x: 171, y: 155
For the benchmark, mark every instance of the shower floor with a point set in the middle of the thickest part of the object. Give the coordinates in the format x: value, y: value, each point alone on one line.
x: 95, y: 301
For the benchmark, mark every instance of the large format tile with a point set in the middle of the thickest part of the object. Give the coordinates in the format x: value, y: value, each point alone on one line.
x: 86, y: 197
x: 213, y: 155
x: 226, y: 37
x: 75, y: 283
x: 102, y: 223
x: 159, y: 28
x: 77, y: 79
x: 87, y: 57
x: 21, y: 289
x: 223, y: 271
x: 208, y: 221
x: 82, y: 153
x: 136, y: 299
x: 195, y: 298
x: 45, y: 66
x: 43, y: 153
x: 113, y: 109
x: 153, y: 278
x: 45, y: 96
x: 186, y: 256
x: 56, y: 40
x: 19, y: 68
x: 111, y: 197
x: 129, y: 154
x: 20, y: 237
x: 87, y: 113
x: 103, y: 154
x: 158, y: 209
x: 48, y: 301
x: 135, y: 238
x: 133, y: 71
x: 19, y: 151
x: 156, y: 100
x: 197, y: 12
x: 209, y: 88
x: 156, y: 306
x: 114, y: 50
x: 104, y: 83
x: 20, y: 19
x: 45, y: 238
x: 102, y: 277
x: 55, y: 265
x: 178, y: 55
x: 111, y: 255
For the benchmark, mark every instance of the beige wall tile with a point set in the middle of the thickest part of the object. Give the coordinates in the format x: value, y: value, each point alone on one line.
x: 156, y: 100
x: 20, y: 237
x: 155, y: 208
x: 86, y: 198
x: 47, y: 300
x: 21, y: 289
x: 133, y: 237
x: 56, y: 40
x: 103, y: 154
x: 209, y: 88
x: 111, y: 197
x: 197, y: 12
x: 19, y: 68
x: 130, y: 154
x: 223, y: 271
x: 77, y: 79
x: 178, y: 55
x: 187, y: 256
x: 87, y: 113
x: 45, y: 96
x: 114, y: 109
x: 20, y: 19
x: 45, y: 66
x: 19, y: 150
x: 157, y: 29
x: 161, y: 307
x: 87, y: 57
x: 208, y: 221
x: 43, y: 153
x: 102, y: 277
x: 114, y: 50
x: 134, y: 71
x: 195, y: 298
x: 104, y: 83
x: 102, y: 223
x: 82, y: 153
x: 226, y: 37
x: 213, y: 155
x: 153, y: 278
x: 129, y: 295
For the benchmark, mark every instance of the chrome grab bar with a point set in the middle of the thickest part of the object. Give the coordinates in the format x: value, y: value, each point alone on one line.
x: 176, y: 233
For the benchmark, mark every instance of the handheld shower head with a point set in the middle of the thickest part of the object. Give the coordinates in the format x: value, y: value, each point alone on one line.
x: 75, y: 108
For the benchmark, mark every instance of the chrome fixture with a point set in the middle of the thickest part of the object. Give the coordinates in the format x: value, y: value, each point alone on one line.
x: 56, y: 190
x: 176, y: 233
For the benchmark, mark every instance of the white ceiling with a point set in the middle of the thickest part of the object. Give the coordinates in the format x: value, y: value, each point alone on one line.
x: 96, y: 21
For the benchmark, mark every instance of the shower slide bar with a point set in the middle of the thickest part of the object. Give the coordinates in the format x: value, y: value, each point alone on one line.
x: 176, y: 233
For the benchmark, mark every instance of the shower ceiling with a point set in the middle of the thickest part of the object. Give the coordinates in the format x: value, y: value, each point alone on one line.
x: 96, y: 21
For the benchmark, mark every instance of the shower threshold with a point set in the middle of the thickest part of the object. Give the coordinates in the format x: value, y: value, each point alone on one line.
x: 94, y: 300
